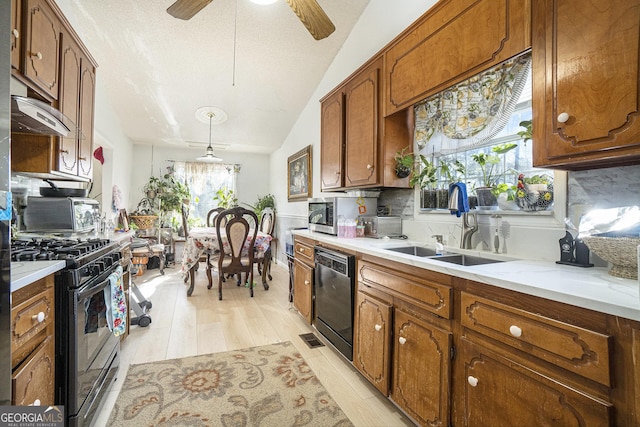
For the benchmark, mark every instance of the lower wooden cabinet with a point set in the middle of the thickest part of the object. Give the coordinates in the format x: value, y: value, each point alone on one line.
x: 422, y: 369
x: 303, y: 289
x: 371, y: 340
x: 500, y: 392
x: 32, y: 382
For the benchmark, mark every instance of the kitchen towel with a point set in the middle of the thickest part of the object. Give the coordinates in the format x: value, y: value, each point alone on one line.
x: 114, y: 298
x: 458, y: 200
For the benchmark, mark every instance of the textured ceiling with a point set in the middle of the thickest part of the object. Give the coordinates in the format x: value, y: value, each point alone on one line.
x: 158, y: 70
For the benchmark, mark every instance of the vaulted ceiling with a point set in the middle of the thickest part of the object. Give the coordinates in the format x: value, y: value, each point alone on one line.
x: 258, y: 63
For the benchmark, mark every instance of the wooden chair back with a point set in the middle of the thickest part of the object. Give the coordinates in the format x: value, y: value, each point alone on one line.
x: 268, y: 221
x: 211, y: 216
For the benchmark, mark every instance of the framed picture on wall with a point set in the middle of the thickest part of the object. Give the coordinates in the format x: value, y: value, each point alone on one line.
x: 299, y: 176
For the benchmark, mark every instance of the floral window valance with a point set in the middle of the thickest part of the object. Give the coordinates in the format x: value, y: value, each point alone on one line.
x: 474, y: 110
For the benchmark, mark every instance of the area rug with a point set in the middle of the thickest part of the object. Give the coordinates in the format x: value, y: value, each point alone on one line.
x: 269, y: 385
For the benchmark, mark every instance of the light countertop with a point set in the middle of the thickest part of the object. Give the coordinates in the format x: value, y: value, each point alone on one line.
x: 592, y: 288
x: 24, y: 273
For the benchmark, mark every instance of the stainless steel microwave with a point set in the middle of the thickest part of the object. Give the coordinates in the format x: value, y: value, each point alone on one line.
x: 324, y: 212
x: 61, y: 214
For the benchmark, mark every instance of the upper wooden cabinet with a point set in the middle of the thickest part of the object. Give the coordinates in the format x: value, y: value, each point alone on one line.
x: 41, y: 46
x: 87, y: 105
x: 358, y: 144
x: 454, y: 40
x: 16, y: 35
x: 332, y: 146
x: 69, y: 101
x: 586, y: 92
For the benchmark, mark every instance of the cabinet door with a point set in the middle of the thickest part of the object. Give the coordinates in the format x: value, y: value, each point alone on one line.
x: 585, y: 68
x: 499, y: 392
x: 67, y: 157
x: 361, y: 128
x: 33, y: 380
x: 16, y: 17
x: 42, y: 42
x: 371, y: 340
x: 422, y: 369
x: 452, y: 41
x: 87, y: 95
x: 332, y: 142
x: 303, y: 289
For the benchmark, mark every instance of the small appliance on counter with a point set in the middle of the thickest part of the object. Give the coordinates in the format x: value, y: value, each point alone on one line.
x: 61, y: 214
x: 325, y: 212
x: 378, y: 227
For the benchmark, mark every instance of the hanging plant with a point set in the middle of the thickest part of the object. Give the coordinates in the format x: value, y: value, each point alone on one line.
x: 404, y: 163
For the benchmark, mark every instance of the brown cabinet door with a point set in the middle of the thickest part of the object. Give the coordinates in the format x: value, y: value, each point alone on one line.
x: 499, y: 392
x: 87, y: 95
x: 331, y: 142
x: 303, y: 289
x: 454, y: 40
x: 422, y: 370
x: 42, y: 42
x: 33, y: 380
x: 362, y: 96
x: 16, y: 35
x: 585, y: 68
x: 69, y: 102
x: 371, y: 340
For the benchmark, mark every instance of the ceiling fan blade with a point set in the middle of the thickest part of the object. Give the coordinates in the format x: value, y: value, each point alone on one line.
x: 313, y: 17
x: 186, y: 9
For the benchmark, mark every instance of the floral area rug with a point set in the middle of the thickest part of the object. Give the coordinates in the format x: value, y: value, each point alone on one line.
x: 269, y: 385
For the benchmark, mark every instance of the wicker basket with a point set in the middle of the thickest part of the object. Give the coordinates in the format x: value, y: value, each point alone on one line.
x: 143, y: 222
x: 621, y: 252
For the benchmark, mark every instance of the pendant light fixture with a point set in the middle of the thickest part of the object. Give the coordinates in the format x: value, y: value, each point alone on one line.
x: 213, y: 115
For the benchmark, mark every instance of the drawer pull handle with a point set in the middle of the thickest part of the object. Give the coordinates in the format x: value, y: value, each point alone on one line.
x: 16, y: 33
x: 369, y: 167
x: 563, y: 117
x: 515, y: 331
x: 306, y: 282
x: 377, y: 327
x: 402, y: 340
x: 473, y: 381
x: 38, y: 317
x: 37, y: 55
x: 36, y: 402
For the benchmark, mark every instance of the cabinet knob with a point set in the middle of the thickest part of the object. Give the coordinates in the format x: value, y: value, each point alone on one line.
x: 378, y: 327
x: 306, y: 282
x: 473, y: 381
x: 15, y: 33
x: 515, y: 331
x: 563, y: 117
x: 402, y: 340
x: 64, y: 151
x: 38, y: 317
x: 36, y: 402
x: 369, y: 167
x: 82, y: 159
x: 37, y: 55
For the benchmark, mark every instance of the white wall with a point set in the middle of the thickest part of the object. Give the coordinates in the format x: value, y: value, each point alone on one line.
x: 252, y: 181
x: 381, y: 22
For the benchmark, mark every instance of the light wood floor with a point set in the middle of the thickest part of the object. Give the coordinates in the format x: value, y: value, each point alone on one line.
x: 187, y: 326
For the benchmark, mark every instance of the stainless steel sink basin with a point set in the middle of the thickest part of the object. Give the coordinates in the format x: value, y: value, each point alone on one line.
x: 414, y: 250
x: 461, y: 259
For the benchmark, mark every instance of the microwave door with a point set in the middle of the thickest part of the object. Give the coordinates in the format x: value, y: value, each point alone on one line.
x: 318, y: 214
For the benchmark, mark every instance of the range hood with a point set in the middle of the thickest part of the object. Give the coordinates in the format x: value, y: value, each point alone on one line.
x: 29, y: 115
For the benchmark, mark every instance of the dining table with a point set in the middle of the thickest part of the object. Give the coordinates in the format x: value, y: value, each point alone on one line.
x: 203, y: 240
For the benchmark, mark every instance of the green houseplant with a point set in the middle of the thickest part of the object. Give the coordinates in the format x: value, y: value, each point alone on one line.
x: 450, y: 172
x: 225, y: 198
x: 425, y: 177
x: 263, y: 202
x: 404, y: 163
x: 490, y: 173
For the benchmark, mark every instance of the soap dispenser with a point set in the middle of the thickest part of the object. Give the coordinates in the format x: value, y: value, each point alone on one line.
x: 439, y: 244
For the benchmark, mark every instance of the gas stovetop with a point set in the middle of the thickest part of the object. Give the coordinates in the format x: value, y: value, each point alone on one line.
x: 75, y: 251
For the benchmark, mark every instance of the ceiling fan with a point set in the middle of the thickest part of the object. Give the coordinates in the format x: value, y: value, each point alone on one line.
x: 309, y: 12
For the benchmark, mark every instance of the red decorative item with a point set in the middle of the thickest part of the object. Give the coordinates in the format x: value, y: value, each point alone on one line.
x: 97, y: 154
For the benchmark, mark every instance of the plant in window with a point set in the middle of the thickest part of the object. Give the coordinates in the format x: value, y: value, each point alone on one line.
x: 525, y: 134
x: 404, y: 163
x: 534, y: 193
x: 225, y: 198
x: 425, y: 177
x: 490, y: 171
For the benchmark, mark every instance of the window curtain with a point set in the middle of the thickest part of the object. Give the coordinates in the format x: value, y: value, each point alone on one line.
x: 204, y: 180
x: 473, y: 111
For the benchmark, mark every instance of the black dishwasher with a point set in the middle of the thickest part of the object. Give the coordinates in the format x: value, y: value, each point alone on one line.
x: 334, y: 289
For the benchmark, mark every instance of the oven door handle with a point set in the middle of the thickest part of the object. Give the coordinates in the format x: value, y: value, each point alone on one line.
x: 94, y: 289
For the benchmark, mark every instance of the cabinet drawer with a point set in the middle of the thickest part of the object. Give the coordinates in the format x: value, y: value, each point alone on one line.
x: 426, y: 294
x: 578, y: 350
x: 30, y: 317
x: 304, y: 252
x: 33, y: 380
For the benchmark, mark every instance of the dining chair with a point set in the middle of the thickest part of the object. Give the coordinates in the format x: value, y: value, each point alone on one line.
x: 237, y: 233
x: 263, y: 258
x: 203, y: 257
x: 212, y: 257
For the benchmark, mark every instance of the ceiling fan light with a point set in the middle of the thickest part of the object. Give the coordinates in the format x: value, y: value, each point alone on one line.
x: 263, y: 2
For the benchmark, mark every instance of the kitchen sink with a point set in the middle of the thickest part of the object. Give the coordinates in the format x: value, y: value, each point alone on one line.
x: 461, y: 259
x: 414, y: 250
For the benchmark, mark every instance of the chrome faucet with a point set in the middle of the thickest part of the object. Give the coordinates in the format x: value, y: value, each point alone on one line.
x: 468, y: 228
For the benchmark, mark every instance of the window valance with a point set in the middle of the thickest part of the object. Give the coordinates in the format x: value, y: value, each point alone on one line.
x: 473, y: 111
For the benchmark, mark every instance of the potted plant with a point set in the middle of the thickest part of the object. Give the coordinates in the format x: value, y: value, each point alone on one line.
x: 225, y: 198
x: 404, y: 163
x: 450, y: 173
x: 263, y: 202
x: 490, y: 172
x: 526, y: 134
x: 425, y: 177
x: 534, y: 193
x: 506, y: 195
